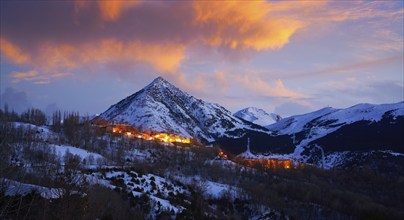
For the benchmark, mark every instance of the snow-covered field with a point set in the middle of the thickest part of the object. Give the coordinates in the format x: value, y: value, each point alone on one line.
x: 62, y: 150
x: 210, y: 189
x: 42, y: 132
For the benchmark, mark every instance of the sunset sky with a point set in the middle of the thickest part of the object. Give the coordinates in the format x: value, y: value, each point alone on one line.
x: 287, y: 57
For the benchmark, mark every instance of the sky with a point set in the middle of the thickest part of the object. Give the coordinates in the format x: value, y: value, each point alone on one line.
x: 286, y: 57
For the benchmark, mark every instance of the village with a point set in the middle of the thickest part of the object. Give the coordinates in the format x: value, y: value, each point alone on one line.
x: 155, y: 136
x: 130, y: 131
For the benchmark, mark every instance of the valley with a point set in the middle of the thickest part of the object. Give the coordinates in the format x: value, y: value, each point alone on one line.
x: 299, y: 167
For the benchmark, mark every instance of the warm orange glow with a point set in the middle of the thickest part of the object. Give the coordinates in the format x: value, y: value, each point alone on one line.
x: 171, y: 138
x: 24, y: 75
x: 255, y: 83
x: 165, y: 57
x: 163, y: 137
x: 109, y: 10
x: 54, y: 56
x: 250, y: 26
x: 13, y: 52
x: 222, y: 155
x: 269, y: 163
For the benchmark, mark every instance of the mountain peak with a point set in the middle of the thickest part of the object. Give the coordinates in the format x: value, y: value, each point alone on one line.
x: 160, y: 79
x: 257, y: 116
x: 162, y: 107
x: 158, y: 82
x: 254, y: 109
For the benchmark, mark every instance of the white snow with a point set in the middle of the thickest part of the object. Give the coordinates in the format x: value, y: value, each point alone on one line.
x: 42, y: 132
x: 355, y: 113
x: 162, y: 107
x: 210, y: 189
x: 83, y: 154
x: 217, y: 190
x: 328, y: 120
x: 257, y: 116
x: 396, y: 154
x: 296, y: 123
x: 166, y: 205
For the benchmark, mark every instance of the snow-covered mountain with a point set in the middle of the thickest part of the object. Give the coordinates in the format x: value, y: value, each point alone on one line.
x: 327, y: 120
x: 162, y: 107
x: 331, y: 134
x: 258, y: 116
x: 330, y: 137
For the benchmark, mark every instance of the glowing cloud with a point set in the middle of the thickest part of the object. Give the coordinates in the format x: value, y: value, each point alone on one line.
x: 13, y: 52
x: 35, y: 77
x: 94, y: 35
x: 248, y: 26
x: 109, y: 10
x: 163, y: 57
x: 25, y: 75
x: 255, y: 84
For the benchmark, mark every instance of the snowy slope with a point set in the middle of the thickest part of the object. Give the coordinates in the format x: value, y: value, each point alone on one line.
x: 296, y: 123
x: 257, y: 116
x: 162, y: 107
x: 42, y: 132
x: 329, y: 119
x: 329, y: 133
x: 62, y: 150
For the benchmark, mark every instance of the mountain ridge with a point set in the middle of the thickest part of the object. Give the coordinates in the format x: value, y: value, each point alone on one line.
x: 312, y: 137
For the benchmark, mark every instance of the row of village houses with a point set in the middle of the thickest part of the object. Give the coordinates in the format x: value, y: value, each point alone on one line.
x: 133, y: 132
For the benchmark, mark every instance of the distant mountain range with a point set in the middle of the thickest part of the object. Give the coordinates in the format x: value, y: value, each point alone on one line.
x: 347, y: 129
x: 316, y: 137
x: 258, y: 116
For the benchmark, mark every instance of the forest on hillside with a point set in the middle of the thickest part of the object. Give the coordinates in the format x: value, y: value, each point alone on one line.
x: 67, y: 168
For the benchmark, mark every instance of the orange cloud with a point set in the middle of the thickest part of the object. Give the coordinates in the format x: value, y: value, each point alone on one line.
x: 164, y: 57
x: 25, y: 75
x: 110, y: 10
x: 225, y: 27
x: 35, y: 77
x: 255, y: 84
x: 227, y: 83
x: 249, y: 25
x: 13, y: 52
x: 52, y: 57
